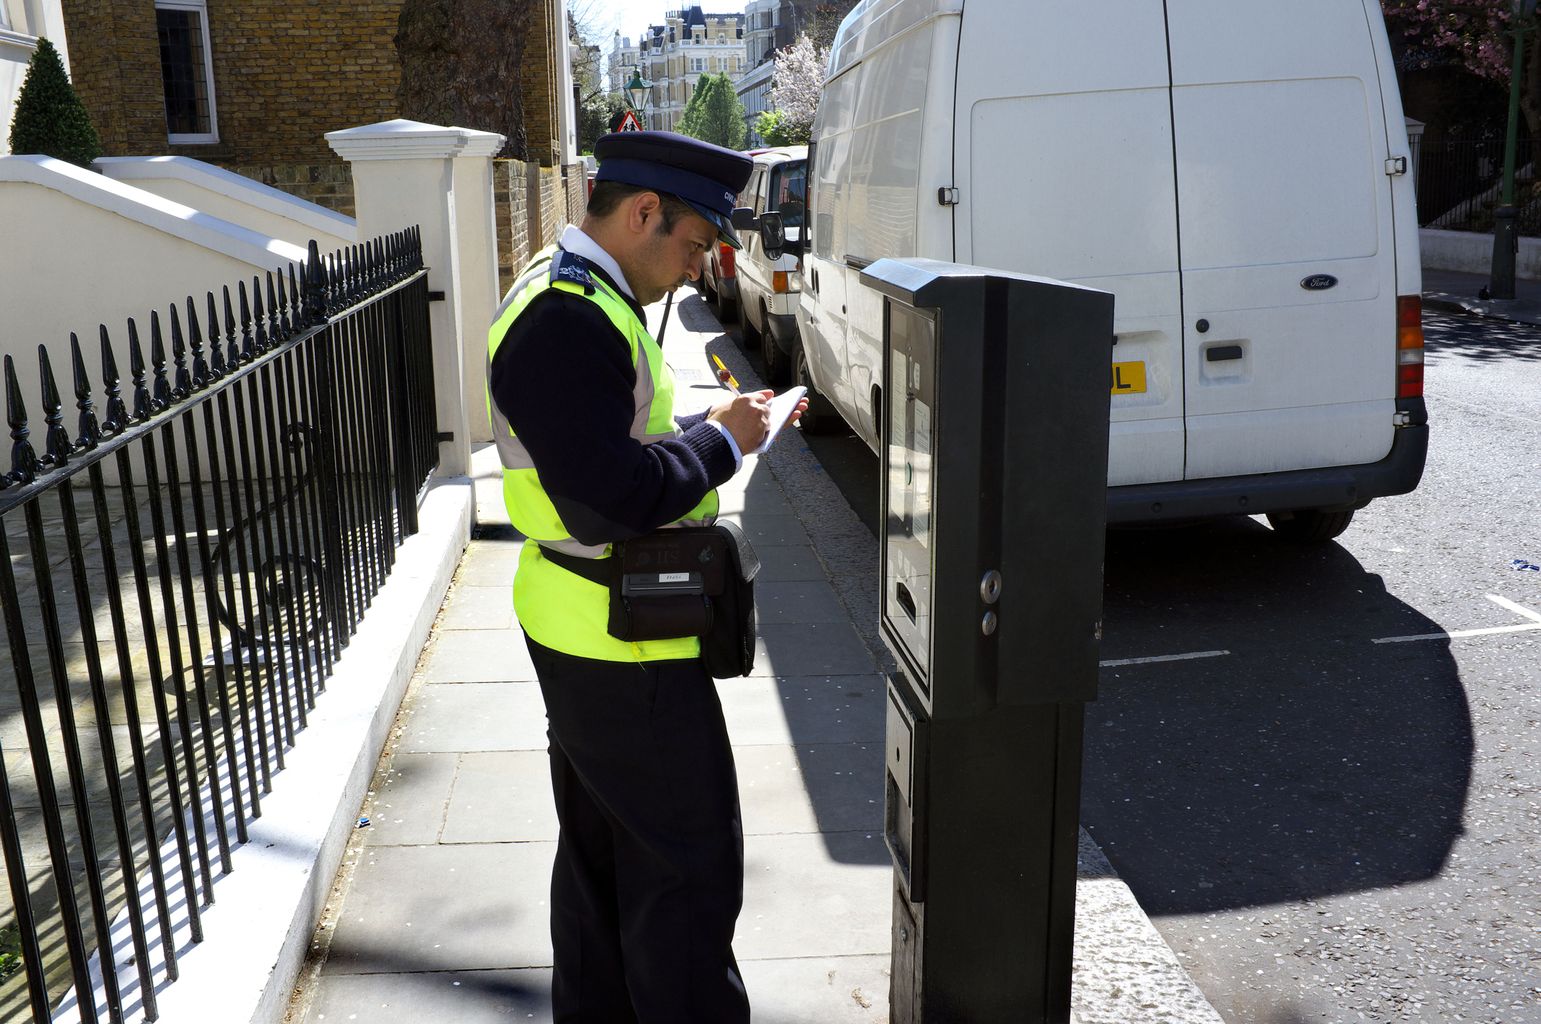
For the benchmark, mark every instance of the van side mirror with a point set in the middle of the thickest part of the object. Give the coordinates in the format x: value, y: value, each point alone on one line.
x: 744, y: 219
x: 773, y: 235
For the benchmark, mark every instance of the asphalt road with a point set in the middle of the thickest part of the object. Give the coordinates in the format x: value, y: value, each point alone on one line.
x: 1326, y: 820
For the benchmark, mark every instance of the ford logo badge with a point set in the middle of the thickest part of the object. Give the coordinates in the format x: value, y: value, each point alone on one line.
x: 1318, y: 282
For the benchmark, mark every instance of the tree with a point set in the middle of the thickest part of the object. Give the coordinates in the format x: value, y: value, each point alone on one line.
x: 598, y: 116
x: 771, y: 127
x: 462, y: 63
x: 827, y: 16
x: 715, y: 114
x: 1471, y: 36
x: 795, y: 87
x: 50, y: 119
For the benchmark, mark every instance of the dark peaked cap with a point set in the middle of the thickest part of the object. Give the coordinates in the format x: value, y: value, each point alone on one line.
x: 707, y: 177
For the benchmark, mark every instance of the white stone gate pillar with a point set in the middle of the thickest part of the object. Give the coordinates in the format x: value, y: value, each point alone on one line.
x: 404, y: 173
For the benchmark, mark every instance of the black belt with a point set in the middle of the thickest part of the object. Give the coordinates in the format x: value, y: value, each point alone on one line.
x: 596, y: 570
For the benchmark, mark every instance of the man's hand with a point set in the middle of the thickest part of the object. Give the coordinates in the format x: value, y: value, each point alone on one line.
x: 747, y: 418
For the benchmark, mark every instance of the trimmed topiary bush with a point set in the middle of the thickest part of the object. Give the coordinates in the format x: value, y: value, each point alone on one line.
x: 50, y: 119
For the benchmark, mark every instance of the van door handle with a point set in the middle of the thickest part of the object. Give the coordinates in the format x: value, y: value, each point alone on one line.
x: 1221, y: 353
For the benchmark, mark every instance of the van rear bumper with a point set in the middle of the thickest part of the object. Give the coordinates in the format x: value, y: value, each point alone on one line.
x: 1336, y: 487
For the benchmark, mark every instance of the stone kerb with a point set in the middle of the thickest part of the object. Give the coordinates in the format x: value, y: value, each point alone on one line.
x: 439, y: 178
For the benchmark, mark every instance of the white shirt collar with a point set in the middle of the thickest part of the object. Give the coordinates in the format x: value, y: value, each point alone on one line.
x: 575, y: 241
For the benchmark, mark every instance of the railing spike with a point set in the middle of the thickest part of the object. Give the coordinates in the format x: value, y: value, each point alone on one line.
x: 259, y: 319
x: 233, y: 356
x: 217, y: 368
x: 296, y: 301
x: 162, y: 387
x: 57, y: 444
x: 23, y: 458
x: 258, y: 341
x: 183, y: 385
x: 90, y: 430
x: 195, y: 340
x: 116, y: 414
x: 314, y: 297
x: 274, y: 326
x: 331, y: 283
x: 144, y: 405
x: 283, y: 304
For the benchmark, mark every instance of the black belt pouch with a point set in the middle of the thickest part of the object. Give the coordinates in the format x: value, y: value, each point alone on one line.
x: 690, y: 581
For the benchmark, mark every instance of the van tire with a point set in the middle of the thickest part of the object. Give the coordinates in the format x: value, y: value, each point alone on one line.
x: 1310, y: 525
x: 820, y: 417
x: 726, y: 308
x: 778, y: 365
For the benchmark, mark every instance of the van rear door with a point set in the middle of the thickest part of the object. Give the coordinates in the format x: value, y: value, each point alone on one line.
x: 1285, y: 228
x: 1065, y: 167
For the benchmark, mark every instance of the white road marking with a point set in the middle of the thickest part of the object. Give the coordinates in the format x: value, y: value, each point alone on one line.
x: 1460, y: 634
x: 1518, y: 609
x: 1166, y: 657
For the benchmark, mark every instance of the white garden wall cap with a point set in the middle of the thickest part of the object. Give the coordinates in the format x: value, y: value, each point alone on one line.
x: 228, y: 183
x: 411, y: 140
x: 153, y: 211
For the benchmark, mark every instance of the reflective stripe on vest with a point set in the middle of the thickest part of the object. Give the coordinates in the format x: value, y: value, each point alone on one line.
x: 555, y: 607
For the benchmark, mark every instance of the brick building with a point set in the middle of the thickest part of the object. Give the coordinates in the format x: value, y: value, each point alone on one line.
x: 254, y: 85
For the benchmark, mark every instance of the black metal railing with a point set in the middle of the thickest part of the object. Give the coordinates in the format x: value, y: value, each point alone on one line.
x: 1460, y: 184
x: 180, y: 568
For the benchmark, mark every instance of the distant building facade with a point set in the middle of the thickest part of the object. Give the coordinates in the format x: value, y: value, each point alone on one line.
x: 622, y: 62
x: 673, y: 56
x: 769, y: 26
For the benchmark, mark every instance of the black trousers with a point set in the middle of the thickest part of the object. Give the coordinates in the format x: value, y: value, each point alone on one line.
x: 649, y: 873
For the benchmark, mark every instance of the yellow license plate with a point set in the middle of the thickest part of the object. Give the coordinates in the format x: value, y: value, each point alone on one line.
x: 1128, y: 378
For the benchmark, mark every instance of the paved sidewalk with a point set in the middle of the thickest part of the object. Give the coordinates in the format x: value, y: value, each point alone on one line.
x: 1455, y: 292
x: 440, y: 911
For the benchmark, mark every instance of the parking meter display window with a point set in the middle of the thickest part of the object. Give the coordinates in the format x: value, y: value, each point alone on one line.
x: 912, y: 400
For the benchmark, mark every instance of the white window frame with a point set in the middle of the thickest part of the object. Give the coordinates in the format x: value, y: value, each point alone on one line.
x: 212, y: 135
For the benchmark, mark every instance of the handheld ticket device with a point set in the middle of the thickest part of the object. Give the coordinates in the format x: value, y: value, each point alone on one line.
x: 995, y: 446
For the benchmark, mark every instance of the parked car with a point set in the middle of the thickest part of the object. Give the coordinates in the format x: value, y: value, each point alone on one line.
x: 768, y: 288
x: 1236, y: 174
x: 719, y: 280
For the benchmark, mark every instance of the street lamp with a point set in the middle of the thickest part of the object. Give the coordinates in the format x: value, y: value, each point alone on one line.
x: 1505, y: 240
x: 638, y: 91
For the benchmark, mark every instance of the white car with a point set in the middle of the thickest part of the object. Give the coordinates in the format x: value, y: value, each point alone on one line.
x: 767, y: 288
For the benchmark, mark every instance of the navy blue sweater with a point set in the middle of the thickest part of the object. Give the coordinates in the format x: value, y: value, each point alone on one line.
x: 563, y: 378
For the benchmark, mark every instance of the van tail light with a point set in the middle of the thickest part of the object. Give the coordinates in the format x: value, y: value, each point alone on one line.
x: 725, y: 259
x: 785, y: 281
x: 1409, y: 346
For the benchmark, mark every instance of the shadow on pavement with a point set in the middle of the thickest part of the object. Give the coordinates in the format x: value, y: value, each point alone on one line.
x: 1496, y: 339
x: 1310, y: 761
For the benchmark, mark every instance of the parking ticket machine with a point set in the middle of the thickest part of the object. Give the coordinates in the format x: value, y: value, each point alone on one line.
x: 995, y: 441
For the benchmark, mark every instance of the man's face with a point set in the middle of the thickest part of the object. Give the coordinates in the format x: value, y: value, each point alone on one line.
x: 670, y: 258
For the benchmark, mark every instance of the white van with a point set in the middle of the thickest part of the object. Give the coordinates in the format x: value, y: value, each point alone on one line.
x: 1235, y: 172
x: 767, y: 288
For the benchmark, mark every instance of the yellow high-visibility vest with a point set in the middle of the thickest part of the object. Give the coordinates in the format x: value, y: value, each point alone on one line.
x: 557, y: 608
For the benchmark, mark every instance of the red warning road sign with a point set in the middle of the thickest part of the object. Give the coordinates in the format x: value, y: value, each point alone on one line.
x: 629, y: 123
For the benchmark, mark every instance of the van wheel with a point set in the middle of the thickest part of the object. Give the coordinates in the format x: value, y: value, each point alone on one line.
x: 1310, y: 525
x: 727, y: 308
x: 778, y: 368
x: 820, y: 417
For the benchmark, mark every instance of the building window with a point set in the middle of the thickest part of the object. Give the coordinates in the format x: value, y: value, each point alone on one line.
x: 187, y: 71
